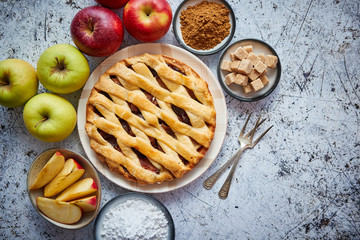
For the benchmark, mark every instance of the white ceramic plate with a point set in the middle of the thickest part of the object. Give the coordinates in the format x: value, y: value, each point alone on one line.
x: 219, y: 102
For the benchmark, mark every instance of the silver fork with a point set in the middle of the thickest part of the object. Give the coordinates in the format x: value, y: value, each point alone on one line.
x: 246, y: 141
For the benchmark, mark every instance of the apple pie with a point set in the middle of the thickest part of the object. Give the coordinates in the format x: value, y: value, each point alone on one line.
x: 150, y: 118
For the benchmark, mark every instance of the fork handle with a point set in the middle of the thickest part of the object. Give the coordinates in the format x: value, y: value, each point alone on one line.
x: 209, y: 183
x: 224, y: 190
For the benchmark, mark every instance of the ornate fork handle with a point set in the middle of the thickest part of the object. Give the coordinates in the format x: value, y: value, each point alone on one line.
x: 224, y: 190
x: 209, y: 183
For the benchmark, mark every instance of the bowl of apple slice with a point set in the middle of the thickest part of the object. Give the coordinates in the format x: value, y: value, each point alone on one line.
x: 64, y: 188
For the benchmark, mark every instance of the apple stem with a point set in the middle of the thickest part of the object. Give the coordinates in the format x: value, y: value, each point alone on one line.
x: 91, y: 25
x: 4, y: 80
x: 41, y: 120
x: 148, y: 11
x: 60, y: 64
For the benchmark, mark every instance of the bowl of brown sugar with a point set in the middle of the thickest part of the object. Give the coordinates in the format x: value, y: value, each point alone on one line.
x: 204, y: 27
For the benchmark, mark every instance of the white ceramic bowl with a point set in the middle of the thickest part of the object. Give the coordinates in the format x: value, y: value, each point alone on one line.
x: 177, y: 29
x: 109, y: 206
x: 273, y: 75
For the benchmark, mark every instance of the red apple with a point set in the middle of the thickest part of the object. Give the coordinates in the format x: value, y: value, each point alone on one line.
x: 97, y: 31
x: 114, y: 4
x: 147, y: 20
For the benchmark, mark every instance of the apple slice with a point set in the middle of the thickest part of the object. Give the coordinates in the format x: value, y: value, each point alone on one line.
x: 79, y: 189
x: 87, y: 204
x: 70, y: 173
x: 49, y: 171
x: 62, y: 212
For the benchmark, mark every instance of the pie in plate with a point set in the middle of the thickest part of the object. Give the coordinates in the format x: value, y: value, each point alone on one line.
x: 150, y: 118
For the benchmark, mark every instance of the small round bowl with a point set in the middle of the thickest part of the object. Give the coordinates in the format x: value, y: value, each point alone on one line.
x: 177, y: 29
x: 273, y: 75
x: 98, y: 226
x: 90, y: 171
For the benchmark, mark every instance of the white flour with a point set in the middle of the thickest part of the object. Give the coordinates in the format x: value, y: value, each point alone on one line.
x: 134, y: 219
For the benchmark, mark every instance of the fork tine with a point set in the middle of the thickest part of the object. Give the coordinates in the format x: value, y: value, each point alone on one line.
x: 255, y: 127
x: 262, y: 135
x: 244, y: 127
x: 261, y: 122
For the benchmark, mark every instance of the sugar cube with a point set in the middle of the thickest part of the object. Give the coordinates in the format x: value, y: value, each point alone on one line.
x: 257, y: 84
x: 253, y: 58
x: 244, y: 67
x: 260, y: 67
x: 226, y: 65
x: 235, y: 65
x: 264, y: 79
x: 241, y: 53
x: 248, y: 48
x: 271, y: 61
x: 262, y: 57
x: 253, y: 75
x: 230, y: 78
x: 247, y: 88
x: 233, y: 57
x: 241, y: 79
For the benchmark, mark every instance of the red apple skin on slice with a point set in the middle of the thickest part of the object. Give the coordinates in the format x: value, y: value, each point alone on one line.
x: 49, y: 171
x: 79, y: 189
x: 87, y: 204
x: 70, y: 173
x: 62, y: 212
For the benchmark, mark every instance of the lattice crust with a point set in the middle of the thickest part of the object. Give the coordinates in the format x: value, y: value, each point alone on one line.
x: 150, y: 118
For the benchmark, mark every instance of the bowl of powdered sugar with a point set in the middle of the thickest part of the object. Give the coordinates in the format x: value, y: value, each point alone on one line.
x: 134, y: 216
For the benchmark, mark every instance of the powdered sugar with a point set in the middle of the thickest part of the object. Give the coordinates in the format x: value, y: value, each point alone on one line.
x: 134, y: 219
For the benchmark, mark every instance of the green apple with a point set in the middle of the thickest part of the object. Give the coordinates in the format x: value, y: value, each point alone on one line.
x: 62, y: 68
x: 49, y: 117
x: 18, y: 82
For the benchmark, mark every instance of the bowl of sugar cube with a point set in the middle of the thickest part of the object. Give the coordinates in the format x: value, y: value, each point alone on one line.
x: 249, y: 70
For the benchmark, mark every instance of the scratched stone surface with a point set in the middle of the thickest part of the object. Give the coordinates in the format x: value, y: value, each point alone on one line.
x: 300, y: 182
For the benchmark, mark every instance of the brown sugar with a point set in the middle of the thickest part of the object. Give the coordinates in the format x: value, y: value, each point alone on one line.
x: 205, y: 25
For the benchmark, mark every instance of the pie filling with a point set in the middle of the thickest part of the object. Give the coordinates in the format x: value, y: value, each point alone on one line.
x: 150, y: 118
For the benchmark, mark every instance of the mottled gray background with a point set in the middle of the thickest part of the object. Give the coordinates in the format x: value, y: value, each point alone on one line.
x: 301, y: 181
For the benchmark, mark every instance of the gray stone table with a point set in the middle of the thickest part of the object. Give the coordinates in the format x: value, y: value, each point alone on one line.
x: 302, y: 180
